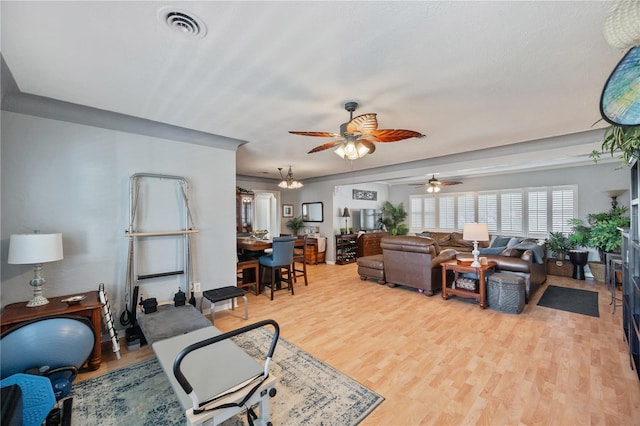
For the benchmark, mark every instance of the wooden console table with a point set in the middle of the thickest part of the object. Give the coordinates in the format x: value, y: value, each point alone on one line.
x: 463, y: 268
x: 17, y: 313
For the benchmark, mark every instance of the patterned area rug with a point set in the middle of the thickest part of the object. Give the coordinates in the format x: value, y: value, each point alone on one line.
x: 309, y: 392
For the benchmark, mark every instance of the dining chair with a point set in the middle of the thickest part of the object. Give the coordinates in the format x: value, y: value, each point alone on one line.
x: 248, y: 275
x: 280, y: 261
x: 299, y: 265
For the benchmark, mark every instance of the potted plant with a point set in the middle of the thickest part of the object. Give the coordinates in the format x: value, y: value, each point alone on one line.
x: 604, y: 235
x: 622, y: 139
x: 579, y: 237
x: 295, y: 223
x: 601, y: 233
x: 559, y: 244
x: 393, y: 217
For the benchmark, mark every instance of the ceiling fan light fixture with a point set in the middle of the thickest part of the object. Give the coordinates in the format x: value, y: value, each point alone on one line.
x: 288, y: 182
x: 352, y: 150
x: 433, y: 188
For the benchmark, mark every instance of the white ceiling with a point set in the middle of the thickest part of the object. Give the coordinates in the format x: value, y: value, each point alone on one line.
x: 469, y: 75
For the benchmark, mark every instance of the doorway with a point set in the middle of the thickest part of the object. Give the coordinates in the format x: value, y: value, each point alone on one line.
x: 267, y: 212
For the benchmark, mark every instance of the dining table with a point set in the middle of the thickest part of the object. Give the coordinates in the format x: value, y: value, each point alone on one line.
x: 252, y: 244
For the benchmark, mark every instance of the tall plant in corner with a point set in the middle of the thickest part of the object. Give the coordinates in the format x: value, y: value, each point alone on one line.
x: 620, y: 139
x: 393, y: 217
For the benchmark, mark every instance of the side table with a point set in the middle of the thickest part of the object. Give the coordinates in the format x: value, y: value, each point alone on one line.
x: 463, y: 268
x: 17, y: 313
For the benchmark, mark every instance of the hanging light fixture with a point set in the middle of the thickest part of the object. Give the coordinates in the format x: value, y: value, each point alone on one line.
x: 351, y: 149
x: 288, y: 182
x: 433, y: 188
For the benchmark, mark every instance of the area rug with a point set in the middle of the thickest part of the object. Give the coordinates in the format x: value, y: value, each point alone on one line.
x: 583, y: 302
x: 309, y: 392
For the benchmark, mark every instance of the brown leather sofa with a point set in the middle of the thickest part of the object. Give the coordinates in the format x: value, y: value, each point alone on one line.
x: 453, y: 240
x: 414, y: 262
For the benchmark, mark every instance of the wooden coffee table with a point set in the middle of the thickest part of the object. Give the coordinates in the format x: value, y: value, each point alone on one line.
x: 464, y: 268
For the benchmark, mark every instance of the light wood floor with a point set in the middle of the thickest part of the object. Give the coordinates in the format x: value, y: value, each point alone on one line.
x: 449, y: 362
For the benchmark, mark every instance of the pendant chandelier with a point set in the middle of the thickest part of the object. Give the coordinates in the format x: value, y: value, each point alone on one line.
x: 288, y: 182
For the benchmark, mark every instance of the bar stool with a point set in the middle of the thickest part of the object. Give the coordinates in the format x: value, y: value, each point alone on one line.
x: 298, y: 257
x: 248, y: 275
x: 614, y: 266
x: 280, y: 259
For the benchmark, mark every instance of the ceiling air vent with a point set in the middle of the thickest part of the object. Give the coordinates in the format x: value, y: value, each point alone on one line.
x: 183, y: 22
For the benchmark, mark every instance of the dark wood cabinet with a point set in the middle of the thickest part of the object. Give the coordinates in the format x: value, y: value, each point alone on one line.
x: 563, y: 268
x: 312, y: 256
x: 346, y: 248
x: 631, y: 274
x: 244, y: 211
x: 369, y: 243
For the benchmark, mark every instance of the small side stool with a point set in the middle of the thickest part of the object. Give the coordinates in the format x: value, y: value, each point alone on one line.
x: 505, y: 293
x: 226, y: 293
x: 371, y: 267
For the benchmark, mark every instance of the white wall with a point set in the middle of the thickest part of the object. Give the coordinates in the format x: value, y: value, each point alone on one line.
x: 74, y: 179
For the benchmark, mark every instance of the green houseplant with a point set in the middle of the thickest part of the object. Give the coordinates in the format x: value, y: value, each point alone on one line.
x: 601, y: 233
x: 604, y: 235
x: 622, y: 139
x: 559, y: 244
x: 295, y: 223
x: 393, y: 217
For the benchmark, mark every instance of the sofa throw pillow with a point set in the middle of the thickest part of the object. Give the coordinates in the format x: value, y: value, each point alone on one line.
x: 423, y: 234
x: 537, y: 249
x: 500, y: 241
x: 511, y: 252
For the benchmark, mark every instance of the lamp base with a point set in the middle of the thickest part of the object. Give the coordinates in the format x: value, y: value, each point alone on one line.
x: 475, y: 252
x: 38, y: 300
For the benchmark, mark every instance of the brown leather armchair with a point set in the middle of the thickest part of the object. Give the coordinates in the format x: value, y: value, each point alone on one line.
x: 414, y: 262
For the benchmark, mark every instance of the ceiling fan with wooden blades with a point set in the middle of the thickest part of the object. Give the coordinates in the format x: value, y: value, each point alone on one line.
x: 433, y: 184
x: 356, y: 137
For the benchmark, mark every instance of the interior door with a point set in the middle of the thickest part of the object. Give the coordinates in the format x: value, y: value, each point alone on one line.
x: 266, y: 212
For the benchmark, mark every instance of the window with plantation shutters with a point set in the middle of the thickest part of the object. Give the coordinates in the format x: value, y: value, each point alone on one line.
x: 466, y: 210
x: 562, y: 209
x: 488, y: 211
x: 447, y: 212
x: 530, y: 212
x: 429, y: 209
x: 537, y: 211
x: 511, y: 213
x: 416, y: 212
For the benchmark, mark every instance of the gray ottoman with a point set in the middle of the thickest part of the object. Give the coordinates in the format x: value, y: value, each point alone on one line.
x: 505, y: 293
x: 371, y: 267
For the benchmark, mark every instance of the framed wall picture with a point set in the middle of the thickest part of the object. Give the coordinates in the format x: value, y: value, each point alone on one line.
x: 361, y: 194
x: 287, y: 210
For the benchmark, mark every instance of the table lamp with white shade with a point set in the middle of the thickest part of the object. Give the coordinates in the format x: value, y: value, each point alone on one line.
x: 475, y: 232
x: 35, y: 249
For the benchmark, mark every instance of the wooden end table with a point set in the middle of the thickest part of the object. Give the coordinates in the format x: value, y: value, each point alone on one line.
x: 463, y: 268
x: 17, y: 313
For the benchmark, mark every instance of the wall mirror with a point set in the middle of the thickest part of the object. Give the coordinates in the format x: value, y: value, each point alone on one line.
x: 312, y: 212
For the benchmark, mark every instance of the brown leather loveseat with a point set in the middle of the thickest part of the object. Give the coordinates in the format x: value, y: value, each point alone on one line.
x: 414, y: 262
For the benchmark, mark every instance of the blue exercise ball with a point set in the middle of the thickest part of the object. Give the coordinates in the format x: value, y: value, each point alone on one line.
x: 47, y: 343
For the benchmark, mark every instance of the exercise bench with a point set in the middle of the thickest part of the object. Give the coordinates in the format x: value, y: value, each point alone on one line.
x: 225, y: 293
x: 213, y: 378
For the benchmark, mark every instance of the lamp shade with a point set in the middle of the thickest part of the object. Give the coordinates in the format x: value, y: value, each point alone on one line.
x: 475, y: 232
x: 34, y: 248
x: 345, y: 213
